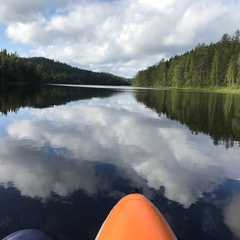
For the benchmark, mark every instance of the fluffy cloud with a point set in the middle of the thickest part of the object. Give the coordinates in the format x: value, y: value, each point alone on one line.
x: 232, y: 215
x: 12, y: 11
x: 117, y: 36
x: 146, y: 147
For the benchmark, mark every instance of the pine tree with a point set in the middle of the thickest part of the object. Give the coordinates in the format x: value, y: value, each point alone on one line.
x: 215, y: 70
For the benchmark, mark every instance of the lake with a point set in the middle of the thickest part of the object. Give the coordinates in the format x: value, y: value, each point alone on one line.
x: 69, y: 153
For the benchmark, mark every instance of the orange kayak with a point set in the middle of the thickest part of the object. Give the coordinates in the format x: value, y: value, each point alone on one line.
x: 135, y: 217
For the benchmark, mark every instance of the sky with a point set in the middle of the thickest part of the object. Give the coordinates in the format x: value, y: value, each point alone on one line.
x: 116, y: 36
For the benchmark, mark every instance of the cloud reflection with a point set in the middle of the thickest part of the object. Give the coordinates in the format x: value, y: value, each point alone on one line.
x: 56, y: 150
x: 232, y: 215
x: 37, y: 174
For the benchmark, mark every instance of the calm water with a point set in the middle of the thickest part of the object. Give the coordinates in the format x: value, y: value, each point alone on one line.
x: 68, y: 154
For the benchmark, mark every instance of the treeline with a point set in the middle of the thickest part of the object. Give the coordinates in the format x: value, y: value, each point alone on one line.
x: 37, y: 70
x: 14, y: 69
x: 57, y: 72
x: 214, y: 65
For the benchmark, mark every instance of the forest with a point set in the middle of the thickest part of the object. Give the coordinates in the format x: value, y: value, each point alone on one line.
x: 38, y: 70
x: 207, y: 66
x: 14, y: 69
x: 57, y: 72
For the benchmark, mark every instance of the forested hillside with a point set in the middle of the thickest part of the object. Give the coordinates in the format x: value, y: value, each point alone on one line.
x: 57, y: 72
x: 17, y: 70
x: 37, y: 70
x: 214, y: 65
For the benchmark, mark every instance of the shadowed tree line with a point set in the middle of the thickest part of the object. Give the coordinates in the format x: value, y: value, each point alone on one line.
x: 214, y: 65
x: 217, y: 115
x: 38, y: 70
x: 14, y: 69
x: 57, y: 72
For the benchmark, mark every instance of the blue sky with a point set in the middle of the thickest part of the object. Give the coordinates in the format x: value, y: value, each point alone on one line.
x: 120, y: 37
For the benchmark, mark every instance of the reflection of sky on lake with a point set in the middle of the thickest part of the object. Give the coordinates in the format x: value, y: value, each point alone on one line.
x: 232, y: 215
x: 56, y: 150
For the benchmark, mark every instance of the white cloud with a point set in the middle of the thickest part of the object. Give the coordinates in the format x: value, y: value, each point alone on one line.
x: 116, y: 36
x: 13, y: 10
x: 123, y: 133
x: 194, y: 21
x: 232, y: 215
x: 26, y: 11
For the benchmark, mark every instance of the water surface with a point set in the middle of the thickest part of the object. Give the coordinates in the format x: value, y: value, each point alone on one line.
x: 68, y: 154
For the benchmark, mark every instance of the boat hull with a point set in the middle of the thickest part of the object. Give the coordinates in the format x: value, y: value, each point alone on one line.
x: 135, y: 217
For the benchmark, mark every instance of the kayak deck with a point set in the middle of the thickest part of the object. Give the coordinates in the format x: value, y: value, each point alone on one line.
x: 135, y: 217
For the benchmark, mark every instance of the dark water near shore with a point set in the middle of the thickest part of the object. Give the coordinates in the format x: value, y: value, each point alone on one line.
x: 68, y: 154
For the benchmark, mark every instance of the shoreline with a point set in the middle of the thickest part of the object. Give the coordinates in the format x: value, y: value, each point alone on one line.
x: 207, y: 89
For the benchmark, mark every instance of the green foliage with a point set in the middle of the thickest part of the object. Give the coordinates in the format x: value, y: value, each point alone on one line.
x: 14, y: 69
x: 57, y: 72
x: 214, y: 65
x: 37, y: 70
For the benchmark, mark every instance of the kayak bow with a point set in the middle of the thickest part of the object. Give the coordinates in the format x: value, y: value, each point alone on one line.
x: 135, y: 217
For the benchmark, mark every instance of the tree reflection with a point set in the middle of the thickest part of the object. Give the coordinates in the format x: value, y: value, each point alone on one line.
x: 217, y: 115
x: 14, y: 97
